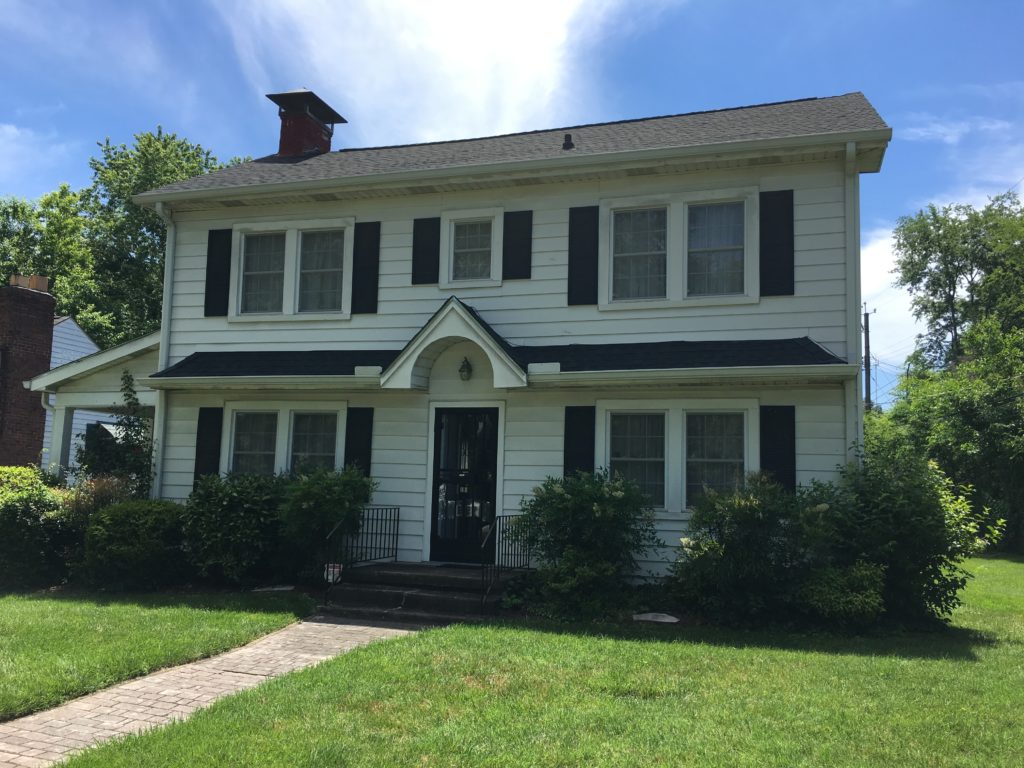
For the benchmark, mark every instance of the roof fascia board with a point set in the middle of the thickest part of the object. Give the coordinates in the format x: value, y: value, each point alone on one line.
x: 84, y: 365
x: 306, y: 383
x: 758, y: 146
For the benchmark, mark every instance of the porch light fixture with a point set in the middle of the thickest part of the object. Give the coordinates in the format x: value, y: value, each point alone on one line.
x: 466, y: 370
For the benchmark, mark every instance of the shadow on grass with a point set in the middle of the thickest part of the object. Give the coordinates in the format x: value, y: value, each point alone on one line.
x: 942, y: 642
x: 296, y: 603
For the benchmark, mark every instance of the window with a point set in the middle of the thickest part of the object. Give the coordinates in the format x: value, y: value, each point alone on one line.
x: 314, y: 440
x: 297, y: 270
x: 674, y: 449
x: 255, y: 442
x: 637, y: 452
x: 265, y: 437
x: 639, y: 247
x: 714, y: 258
x: 471, y: 247
x: 685, y: 248
x: 714, y: 452
x: 321, y: 266
x: 263, y: 273
x: 471, y: 251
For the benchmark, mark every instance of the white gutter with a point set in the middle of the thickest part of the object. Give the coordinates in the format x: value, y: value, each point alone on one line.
x: 836, y: 372
x: 163, y: 351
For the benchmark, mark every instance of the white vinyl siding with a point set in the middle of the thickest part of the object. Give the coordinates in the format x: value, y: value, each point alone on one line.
x: 263, y: 273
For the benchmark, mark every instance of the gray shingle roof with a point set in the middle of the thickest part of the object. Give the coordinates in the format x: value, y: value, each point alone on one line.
x: 848, y: 113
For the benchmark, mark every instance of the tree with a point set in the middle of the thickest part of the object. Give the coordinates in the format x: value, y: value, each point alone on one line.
x: 959, y: 264
x: 126, y: 240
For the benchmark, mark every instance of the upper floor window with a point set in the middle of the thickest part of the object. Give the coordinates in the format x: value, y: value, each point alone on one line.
x: 681, y: 248
x: 470, y: 248
x: 639, y: 254
x: 298, y: 269
x: 714, y: 249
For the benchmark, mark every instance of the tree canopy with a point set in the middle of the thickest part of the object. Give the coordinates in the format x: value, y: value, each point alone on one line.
x: 104, y: 255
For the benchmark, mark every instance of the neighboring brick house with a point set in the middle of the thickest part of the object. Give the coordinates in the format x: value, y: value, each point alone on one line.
x: 26, y: 332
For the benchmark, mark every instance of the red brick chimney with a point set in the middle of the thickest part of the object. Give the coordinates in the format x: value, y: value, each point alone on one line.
x: 26, y: 337
x: 307, y: 123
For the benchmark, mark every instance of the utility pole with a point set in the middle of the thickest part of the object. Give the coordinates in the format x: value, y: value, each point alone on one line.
x: 868, y: 405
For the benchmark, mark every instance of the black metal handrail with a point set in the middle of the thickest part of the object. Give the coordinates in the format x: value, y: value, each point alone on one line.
x: 511, y: 553
x: 375, y: 541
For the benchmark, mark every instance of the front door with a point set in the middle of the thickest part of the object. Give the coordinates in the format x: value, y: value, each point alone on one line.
x: 465, y: 472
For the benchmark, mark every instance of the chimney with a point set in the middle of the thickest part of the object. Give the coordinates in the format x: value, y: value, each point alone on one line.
x: 32, y: 282
x: 307, y: 123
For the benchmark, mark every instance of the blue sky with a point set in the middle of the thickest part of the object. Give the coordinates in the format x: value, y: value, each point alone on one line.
x: 946, y: 75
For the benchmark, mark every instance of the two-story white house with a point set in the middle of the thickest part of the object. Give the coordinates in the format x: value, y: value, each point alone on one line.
x: 674, y: 298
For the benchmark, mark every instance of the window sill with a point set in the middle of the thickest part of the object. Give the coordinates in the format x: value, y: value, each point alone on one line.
x: 454, y: 285
x: 282, y: 318
x: 696, y: 301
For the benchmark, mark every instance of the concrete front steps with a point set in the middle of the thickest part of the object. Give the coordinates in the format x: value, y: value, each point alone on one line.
x: 420, y: 593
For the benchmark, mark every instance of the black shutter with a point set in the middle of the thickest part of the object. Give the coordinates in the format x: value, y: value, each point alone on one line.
x: 365, y: 267
x: 208, y: 432
x: 777, y: 243
x: 359, y: 438
x: 218, y: 272
x: 583, y: 255
x: 778, y: 443
x: 578, y: 450
x: 426, y: 251
x: 517, y: 245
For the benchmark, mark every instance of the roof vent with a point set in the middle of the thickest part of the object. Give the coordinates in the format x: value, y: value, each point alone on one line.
x: 307, y: 122
x: 567, y: 142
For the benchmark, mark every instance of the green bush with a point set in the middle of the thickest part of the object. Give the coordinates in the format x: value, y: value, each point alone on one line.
x: 28, y: 508
x: 585, y: 533
x: 890, y: 536
x: 315, y: 503
x: 232, y: 527
x: 79, y: 503
x: 136, y: 545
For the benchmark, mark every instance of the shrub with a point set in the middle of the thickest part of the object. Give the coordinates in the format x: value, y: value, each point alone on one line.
x: 585, y: 533
x: 890, y: 536
x: 136, y: 545
x: 79, y: 504
x: 27, y: 506
x: 314, y: 503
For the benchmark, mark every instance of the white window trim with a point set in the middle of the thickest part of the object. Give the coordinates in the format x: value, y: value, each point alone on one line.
x: 290, y: 299
x: 675, y: 436
x: 285, y: 411
x: 448, y: 221
x: 676, y: 247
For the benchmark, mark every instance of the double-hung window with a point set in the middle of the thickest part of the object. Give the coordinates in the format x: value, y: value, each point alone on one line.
x: 639, y: 254
x: 674, y: 450
x: 678, y: 249
x: 264, y: 438
x: 471, y: 243
x: 292, y: 270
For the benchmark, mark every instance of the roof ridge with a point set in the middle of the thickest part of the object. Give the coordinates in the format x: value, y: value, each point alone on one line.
x: 592, y: 125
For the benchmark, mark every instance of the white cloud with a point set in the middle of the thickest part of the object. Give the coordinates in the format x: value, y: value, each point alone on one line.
x: 27, y: 154
x: 951, y: 131
x: 893, y: 327
x: 415, y: 71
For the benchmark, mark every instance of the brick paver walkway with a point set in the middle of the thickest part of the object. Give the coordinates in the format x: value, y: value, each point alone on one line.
x: 174, y: 693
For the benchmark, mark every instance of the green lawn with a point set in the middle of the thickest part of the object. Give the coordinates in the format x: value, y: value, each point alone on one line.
x: 56, y: 646
x: 507, y: 696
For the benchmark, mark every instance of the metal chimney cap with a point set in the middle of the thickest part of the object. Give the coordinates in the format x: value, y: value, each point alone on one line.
x: 304, y: 100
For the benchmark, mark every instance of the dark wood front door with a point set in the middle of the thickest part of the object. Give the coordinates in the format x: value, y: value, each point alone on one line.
x: 465, y: 473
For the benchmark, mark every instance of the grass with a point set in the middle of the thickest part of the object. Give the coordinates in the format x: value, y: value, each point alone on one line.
x: 517, y: 696
x: 55, y: 646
